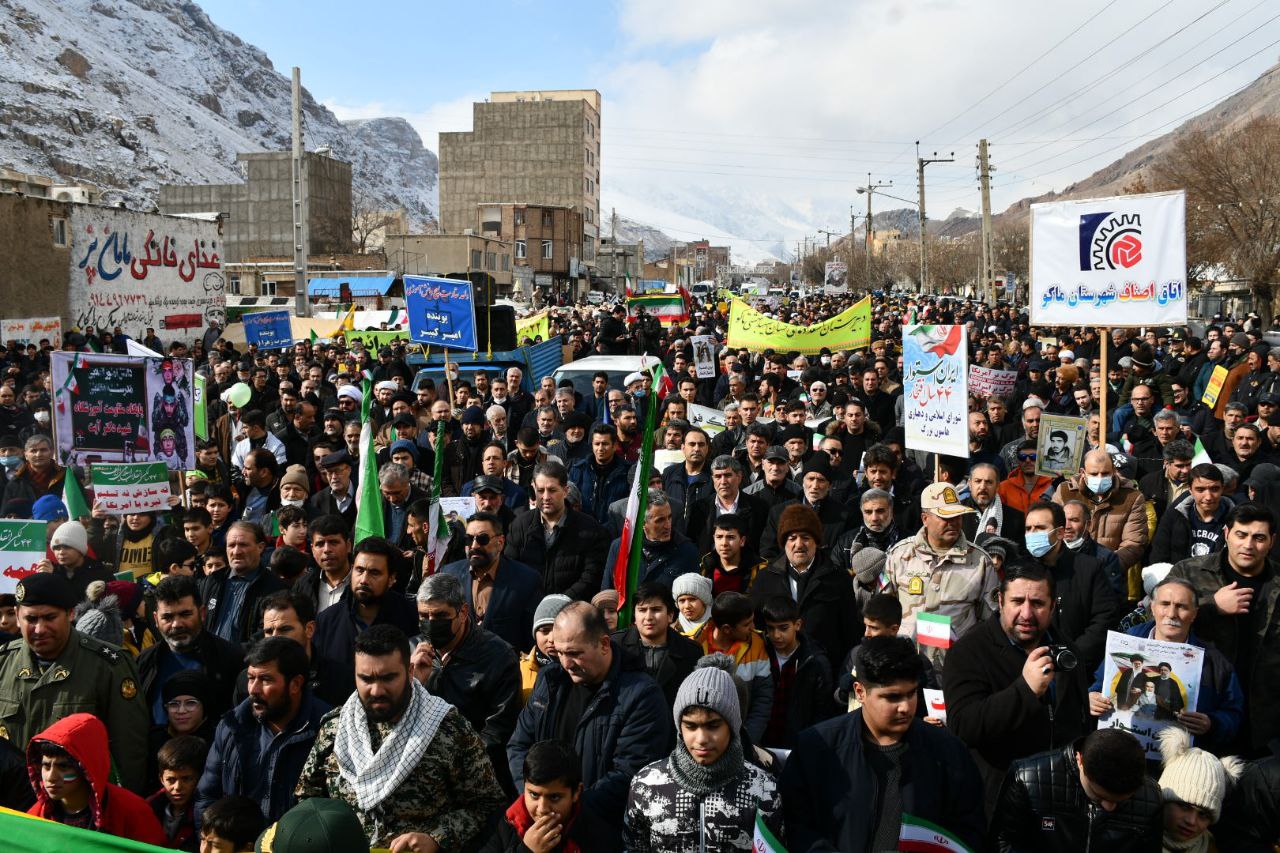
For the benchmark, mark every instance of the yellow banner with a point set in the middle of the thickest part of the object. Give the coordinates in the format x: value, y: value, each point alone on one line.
x: 533, y: 327
x: 848, y: 330
x: 1216, y: 380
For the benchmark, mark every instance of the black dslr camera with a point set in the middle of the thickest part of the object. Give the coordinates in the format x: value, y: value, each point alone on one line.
x: 1064, y: 660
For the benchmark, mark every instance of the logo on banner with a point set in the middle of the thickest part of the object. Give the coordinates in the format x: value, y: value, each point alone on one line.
x: 1110, y: 241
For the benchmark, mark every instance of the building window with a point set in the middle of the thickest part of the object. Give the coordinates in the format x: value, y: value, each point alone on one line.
x: 475, y: 258
x: 233, y: 284
x: 547, y: 219
x: 589, y: 216
x: 546, y: 250
x: 518, y: 216
x: 506, y: 263
x: 490, y: 260
x: 521, y: 252
x: 268, y: 287
x: 59, y: 226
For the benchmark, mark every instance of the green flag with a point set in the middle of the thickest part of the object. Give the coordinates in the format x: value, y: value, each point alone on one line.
x: 73, y: 497
x: 369, y: 520
x: 25, y: 834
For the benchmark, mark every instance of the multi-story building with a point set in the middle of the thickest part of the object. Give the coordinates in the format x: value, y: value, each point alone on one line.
x: 530, y: 147
x: 619, y: 261
x: 452, y: 255
x: 545, y: 241
x: 258, y: 214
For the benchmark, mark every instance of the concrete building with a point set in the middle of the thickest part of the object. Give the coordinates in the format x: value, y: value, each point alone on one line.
x: 258, y: 214
x: 452, y: 254
x: 619, y: 261
x: 530, y: 147
x: 35, y: 242
x: 700, y: 259
x: 545, y: 240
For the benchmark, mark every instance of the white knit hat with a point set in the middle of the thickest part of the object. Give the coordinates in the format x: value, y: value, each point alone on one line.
x: 73, y: 535
x: 1193, y: 776
x: 692, y: 583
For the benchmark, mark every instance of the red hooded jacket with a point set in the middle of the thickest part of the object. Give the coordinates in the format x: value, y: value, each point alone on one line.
x: 116, y: 811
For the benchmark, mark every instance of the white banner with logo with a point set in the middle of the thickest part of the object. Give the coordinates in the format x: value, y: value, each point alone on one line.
x: 1118, y: 261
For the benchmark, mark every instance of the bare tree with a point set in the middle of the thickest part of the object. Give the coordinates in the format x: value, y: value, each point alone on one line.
x: 1233, y: 190
x: 367, y: 220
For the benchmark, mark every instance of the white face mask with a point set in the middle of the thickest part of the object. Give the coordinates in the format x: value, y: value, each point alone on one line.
x: 1074, y: 544
x: 284, y: 502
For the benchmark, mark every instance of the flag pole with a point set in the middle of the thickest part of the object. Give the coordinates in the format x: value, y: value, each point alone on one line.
x: 1102, y: 387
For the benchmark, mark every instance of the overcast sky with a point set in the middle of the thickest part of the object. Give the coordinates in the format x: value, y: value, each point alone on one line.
x: 795, y: 101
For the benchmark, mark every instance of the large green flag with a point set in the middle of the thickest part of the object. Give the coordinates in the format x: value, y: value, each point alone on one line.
x: 369, y: 521
x: 73, y: 497
x: 25, y: 834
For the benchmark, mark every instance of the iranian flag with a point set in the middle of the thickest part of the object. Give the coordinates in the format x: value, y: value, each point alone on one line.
x: 933, y: 630
x: 670, y: 308
x: 662, y: 384
x: 439, y: 534
x: 626, y: 569
x: 921, y: 836
x: 764, y: 840
x: 1201, y: 456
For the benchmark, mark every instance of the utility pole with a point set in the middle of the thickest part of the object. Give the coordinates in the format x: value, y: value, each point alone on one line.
x: 851, y: 227
x: 613, y: 238
x: 988, y: 255
x: 301, y: 240
x: 870, y: 189
x: 920, y: 164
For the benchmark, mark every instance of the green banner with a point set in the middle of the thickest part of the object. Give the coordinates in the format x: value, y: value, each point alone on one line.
x: 129, y: 487
x: 199, y: 415
x: 26, y: 834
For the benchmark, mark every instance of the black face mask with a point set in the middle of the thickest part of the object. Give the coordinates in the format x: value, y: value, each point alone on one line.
x: 439, y: 632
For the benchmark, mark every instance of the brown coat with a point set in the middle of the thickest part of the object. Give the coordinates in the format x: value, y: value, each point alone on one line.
x: 1118, y: 522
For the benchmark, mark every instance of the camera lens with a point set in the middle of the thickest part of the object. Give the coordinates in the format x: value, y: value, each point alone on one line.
x: 1064, y: 660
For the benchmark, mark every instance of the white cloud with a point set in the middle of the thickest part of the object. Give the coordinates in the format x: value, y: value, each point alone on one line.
x: 451, y: 115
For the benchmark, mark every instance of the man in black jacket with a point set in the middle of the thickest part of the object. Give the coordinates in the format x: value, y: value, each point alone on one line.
x: 804, y: 574
x: 726, y: 497
x: 1005, y: 698
x: 652, y: 642
x: 815, y: 483
x: 568, y: 546
x: 179, y: 617
x: 613, y: 332
x: 1087, y: 606
x: 850, y: 780
x: 1091, y: 795
x: 232, y: 594
x: 339, y: 497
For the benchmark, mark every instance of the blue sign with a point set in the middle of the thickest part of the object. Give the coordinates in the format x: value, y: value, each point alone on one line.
x: 268, y: 329
x: 442, y: 312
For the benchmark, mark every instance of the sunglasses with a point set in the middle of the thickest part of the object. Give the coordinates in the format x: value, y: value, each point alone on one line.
x: 481, y: 539
x: 1024, y: 457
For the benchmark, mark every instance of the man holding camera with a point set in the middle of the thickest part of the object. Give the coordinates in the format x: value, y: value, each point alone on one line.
x: 1011, y: 692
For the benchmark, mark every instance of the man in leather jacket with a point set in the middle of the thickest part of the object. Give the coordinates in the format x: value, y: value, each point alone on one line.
x: 1091, y: 795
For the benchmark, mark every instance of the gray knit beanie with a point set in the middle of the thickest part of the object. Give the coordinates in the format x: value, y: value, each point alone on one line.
x: 98, y: 615
x: 712, y: 688
x: 692, y: 583
x: 866, y: 564
x: 548, y: 609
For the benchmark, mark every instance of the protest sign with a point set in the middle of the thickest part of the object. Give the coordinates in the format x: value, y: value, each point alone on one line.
x: 121, y: 408
x: 935, y: 395
x: 989, y: 382
x: 459, y: 508
x: 199, y: 412
x: 441, y: 312
x: 662, y: 459
x: 534, y: 327
x: 711, y: 420
x: 1149, y: 682
x: 376, y: 340
x: 1217, y: 379
x: 130, y: 487
x: 835, y: 274
x: 704, y: 356
x: 268, y: 329
x: 1060, y: 445
x: 848, y: 330
x: 32, y: 330
x: 21, y: 550
x: 1118, y: 261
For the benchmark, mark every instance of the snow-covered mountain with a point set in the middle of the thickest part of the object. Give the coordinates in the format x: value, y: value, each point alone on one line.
x: 132, y: 94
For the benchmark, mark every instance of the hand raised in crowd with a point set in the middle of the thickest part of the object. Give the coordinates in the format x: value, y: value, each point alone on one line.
x: 1038, y: 671
x: 422, y: 661
x: 1232, y: 599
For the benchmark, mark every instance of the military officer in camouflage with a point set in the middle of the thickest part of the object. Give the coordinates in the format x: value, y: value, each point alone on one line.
x: 53, y: 670
x: 410, y: 765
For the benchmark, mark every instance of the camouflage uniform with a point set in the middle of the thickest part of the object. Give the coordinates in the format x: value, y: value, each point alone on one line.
x: 961, y: 583
x: 90, y: 676
x: 450, y: 795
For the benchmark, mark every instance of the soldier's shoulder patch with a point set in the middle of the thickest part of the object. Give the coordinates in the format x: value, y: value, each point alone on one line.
x: 128, y: 688
x: 104, y: 650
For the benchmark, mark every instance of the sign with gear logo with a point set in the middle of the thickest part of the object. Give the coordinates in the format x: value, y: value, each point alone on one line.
x: 1118, y: 261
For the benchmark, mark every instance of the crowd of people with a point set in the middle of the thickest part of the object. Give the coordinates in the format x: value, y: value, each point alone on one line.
x: 243, y: 670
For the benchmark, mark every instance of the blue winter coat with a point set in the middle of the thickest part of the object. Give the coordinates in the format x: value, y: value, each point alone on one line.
x: 234, y: 762
x: 599, y: 491
x: 625, y: 726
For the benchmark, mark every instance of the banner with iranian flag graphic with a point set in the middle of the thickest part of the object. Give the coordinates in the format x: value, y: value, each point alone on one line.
x: 921, y: 836
x: 21, y: 550
x: 764, y: 840
x: 670, y: 308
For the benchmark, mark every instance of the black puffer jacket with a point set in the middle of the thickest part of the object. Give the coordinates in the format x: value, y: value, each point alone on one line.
x: 573, y: 565
x: 1251, y: 814
x: 1042, y: 807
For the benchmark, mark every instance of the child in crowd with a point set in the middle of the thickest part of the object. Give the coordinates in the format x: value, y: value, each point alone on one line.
x: 731, y: 631
x: 69, y: 764
x: 543, y: 651
x: 881, y: 617
x: 607, y: 601
x: 230, y: 825
x: 8, y: 617
x: 693, y: 598
x: 800, y: 671
x: 549, y: 816
x: 181, y: 762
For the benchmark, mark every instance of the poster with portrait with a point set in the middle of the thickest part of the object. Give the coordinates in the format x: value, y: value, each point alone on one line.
x: 704, y: 356
x: 1060, y: 445
x: 935, y: 369
x: 1149, y: 682
x: 122, y: 408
